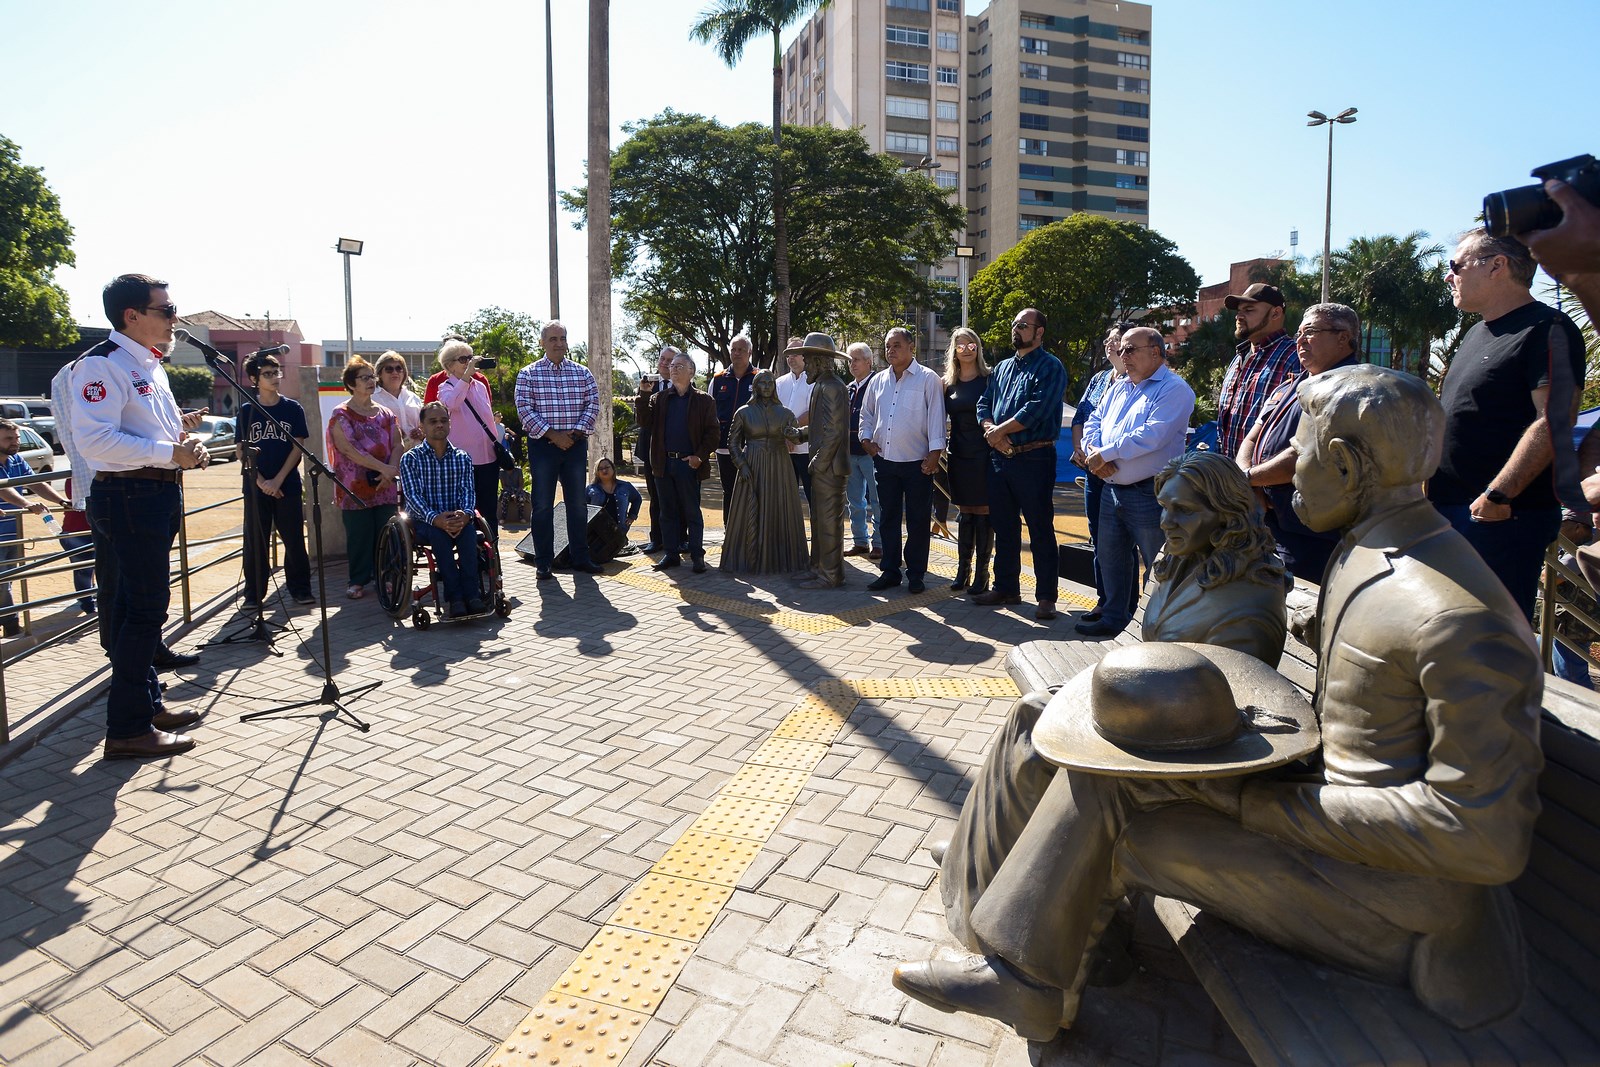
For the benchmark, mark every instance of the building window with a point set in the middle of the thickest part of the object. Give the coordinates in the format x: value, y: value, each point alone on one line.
x: 1126, y: 84
x: 1036, y: 71
x: 948, y: 42
x: 1133, y: 61
x: 910, y: 35
x: 950, y: 5
x: 1127, y: 157
x: 905, y: 107
x: 1033, y: 146
x: 1133, y: 181
x: 910, y: 5
x: 915, y: 144
x: 984, y: 165
x: 948, y: 145
x: 1132, y: 207
x: 1031, y: 222
x: 946, y: 179
x: 1133, y: 108
x: 1034, y: 170
x: 985, y: 118
x: 1132, y: 133
x: 1040, y: 97
x: 1029, y: 121
x: 985, y: 140
x: 949, y: 76
x: 948, y: 110
x: 1035, y: 46
x: 896, y: 71
x: 1035, y: 22
x: 1035, y: 196
x: 1127, y: 36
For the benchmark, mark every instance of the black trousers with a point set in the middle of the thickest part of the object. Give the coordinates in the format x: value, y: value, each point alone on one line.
x: 905, y: 496
x: 286, y: 514
x: 681, y: 517
x: 486, y: 487
x: 802, y: 470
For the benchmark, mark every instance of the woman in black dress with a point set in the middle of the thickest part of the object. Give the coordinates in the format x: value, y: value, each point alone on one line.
x: 966, y: 375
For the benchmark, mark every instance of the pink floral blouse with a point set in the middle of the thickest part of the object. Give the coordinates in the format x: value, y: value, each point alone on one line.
x: 374, y: 435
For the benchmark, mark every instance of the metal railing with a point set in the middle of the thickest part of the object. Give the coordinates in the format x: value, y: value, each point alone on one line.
x: 58, y: 560
x: 1559, y: 577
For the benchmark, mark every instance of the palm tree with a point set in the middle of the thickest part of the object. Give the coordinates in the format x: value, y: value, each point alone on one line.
x: 728, y: 26
x: 1397, y: 283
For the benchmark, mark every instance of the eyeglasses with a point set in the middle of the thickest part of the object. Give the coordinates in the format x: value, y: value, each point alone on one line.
x: 462, y: 359
x: 271, y: 374
x: 1460, y: 268
x: 1026, y: 326
x: 366, y: 377
x: 169, y: 310
x: 1125, y: 349
x: 393, y: 370
x: 966, y: 345
x: 1312, y: 331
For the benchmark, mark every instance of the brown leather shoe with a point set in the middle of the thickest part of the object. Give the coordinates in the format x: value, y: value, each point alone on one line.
x: 1045, y: 611
x: 173, y: 720
x: 857, y: 550
x: 156, y: 743
x: 995, y: 596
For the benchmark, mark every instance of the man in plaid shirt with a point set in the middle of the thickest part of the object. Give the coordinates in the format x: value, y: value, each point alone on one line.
x: 1267, y: 358
x: 558, y: 404
x: 437, y: 482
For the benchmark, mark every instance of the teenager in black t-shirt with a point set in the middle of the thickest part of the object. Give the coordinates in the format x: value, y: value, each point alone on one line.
x: 266, y: 424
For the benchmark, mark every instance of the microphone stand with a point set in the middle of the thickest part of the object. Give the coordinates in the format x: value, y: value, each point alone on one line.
x: 331, y: 696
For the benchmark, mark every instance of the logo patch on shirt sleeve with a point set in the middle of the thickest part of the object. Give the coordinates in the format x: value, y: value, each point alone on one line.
x: 94, y: 392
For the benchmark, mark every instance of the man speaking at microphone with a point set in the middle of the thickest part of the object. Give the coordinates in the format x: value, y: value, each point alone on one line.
x: 127, y: 427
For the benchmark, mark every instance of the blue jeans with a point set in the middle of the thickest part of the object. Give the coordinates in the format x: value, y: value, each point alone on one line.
x: 548, y: 465
x: 460, y: 578
x: 904, y: 492
x: 681, y: 518
x: 1130, y: 523
x: 1513, y: 549
x: 134, y: 521
x: 81, y: 545
x: 862, y: 492
x: 1020, y: 490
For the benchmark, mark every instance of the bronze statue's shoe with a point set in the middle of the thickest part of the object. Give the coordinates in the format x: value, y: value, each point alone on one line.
x: 938, y: 849
x: 983, y: 985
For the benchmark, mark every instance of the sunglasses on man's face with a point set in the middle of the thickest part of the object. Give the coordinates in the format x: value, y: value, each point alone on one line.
x: 169, y: 310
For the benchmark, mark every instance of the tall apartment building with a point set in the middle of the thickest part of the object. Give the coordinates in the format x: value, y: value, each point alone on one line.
x: 1067, y: 82
x: 1059, y: 116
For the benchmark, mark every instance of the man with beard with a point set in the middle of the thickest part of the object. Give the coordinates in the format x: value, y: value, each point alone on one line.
x: 127, y: 427
x: 730, y: 389
x: 1266, y: 359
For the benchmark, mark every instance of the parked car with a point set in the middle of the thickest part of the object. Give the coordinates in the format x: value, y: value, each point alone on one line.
x: 35, y: 452
x: 32, y: 411
x: 216, y: 433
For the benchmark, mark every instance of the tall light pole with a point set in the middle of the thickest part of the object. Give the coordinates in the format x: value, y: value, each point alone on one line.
x: 347, y: 247
x: 964, y: 253
x: 550, y: 161
x: 1319, y: 119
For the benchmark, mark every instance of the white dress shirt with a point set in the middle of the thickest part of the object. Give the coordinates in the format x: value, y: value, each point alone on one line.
x: 123, y: 413
x: 61, y: 408
x: 904, y: 416
x: 794, y: 393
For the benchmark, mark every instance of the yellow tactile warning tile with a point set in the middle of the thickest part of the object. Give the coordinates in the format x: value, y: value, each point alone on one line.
x: 599, y: 1006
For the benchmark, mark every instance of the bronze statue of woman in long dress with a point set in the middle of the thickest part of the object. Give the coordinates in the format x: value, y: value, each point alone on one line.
x: 765, y: 532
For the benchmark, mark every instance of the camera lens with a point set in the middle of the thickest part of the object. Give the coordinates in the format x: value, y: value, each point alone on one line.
x: 1519, y: 210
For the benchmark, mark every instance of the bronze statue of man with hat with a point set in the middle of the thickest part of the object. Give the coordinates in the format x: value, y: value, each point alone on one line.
x: 1195, y: 772
x: 828, y: 432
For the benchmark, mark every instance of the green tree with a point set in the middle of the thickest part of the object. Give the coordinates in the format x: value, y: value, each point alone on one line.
x: 1397, y: 283
x: 1204, y: 359
x: 728, y: 26
x: 191, y: 385
x: 510, y: 338
x: 35, y: 239
x: 1084, y: 272
x: 694, y: 247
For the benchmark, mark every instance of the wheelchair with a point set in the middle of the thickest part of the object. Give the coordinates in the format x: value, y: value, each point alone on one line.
x: 401, y: 555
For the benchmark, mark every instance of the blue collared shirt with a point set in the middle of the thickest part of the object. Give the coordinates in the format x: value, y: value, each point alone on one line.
x: 1140, y: 427
x: 434, y: 484
x: 1029, y: 389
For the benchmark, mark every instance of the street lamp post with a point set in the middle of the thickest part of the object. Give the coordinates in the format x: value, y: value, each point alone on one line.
x: 347, y: 247
x: 964, y: 253
x: 1318, y: 119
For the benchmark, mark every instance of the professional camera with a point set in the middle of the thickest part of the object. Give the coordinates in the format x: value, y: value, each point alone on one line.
x: 1529, y: 208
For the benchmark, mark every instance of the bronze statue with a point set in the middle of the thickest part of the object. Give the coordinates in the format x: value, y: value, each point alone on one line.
x: 1389, y: 859
x: 829, y: 433
x: 764, y: 530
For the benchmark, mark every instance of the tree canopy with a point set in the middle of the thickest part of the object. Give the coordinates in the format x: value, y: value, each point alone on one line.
x: 1085, y: 273
x: 693, y: 243
x: 35, y: 239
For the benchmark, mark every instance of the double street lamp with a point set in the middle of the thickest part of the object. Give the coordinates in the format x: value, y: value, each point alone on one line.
x: 1319, y: 119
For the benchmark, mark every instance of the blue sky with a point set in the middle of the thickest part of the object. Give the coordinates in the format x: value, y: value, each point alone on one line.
x: 225, y: 147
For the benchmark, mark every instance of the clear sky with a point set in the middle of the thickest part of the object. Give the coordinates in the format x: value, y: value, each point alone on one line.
x: 226, y: 146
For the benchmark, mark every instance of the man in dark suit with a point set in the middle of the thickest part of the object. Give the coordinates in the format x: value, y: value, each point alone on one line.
x: 683, y: 434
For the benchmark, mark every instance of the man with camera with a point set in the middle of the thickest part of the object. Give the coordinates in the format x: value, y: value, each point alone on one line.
x: 1494, y: 481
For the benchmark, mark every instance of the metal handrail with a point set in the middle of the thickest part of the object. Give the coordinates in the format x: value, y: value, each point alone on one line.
x: 1555, y: 568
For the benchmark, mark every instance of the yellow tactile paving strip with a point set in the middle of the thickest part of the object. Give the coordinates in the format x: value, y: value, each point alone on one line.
x: 599, y: 1006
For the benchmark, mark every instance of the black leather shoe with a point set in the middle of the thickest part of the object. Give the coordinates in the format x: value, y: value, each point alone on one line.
x: 915, y: 586
x: 166, y: 659
x: 545, y: 574
x: 699, y: 566
x: 1099, y: 629
x: 1045, y: 611
x: 173, y: 720
x: 588, y: 568
x: 649, y: 546
x: 154, y: 744
x: 882, y: 582
x: 1092, y: 615
x: 668, y: 563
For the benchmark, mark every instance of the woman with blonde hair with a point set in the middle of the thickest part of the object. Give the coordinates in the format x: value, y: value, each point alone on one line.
x: 364, y: 452
x: 966, y: 375
x: 472, y: 425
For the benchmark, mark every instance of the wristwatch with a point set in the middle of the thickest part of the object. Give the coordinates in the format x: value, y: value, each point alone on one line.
x: 1495, y: 496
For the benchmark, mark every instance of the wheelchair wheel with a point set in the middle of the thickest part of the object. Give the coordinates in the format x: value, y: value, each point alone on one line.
x: 420, y: 619
x: 397, y: 564
x: 502, y: 606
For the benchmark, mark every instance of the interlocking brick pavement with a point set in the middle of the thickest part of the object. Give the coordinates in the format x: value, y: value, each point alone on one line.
x: 295, y: 890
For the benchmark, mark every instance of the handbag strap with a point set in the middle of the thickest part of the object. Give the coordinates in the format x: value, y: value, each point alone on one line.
x: 490, y: 433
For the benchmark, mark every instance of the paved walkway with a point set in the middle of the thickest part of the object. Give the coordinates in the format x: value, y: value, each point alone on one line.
x: 708, y: 796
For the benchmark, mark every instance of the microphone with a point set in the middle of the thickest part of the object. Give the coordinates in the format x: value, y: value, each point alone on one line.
x: 276, y: 350
x: 213, y: 357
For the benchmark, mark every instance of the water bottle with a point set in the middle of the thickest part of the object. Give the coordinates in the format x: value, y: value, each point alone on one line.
x: 51, y: 524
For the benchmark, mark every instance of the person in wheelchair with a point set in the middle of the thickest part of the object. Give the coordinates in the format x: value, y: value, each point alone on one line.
x: 436, y: 480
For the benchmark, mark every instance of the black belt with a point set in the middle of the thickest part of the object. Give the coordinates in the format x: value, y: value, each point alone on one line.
x: 680, y: 455
x: 153, y: 474
x: 1149, y: 482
